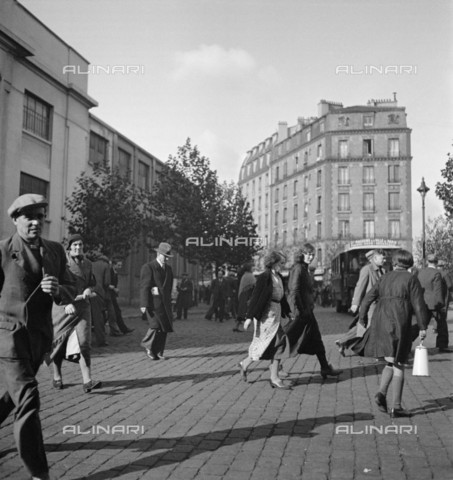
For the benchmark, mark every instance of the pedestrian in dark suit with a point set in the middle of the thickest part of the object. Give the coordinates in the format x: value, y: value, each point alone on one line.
x: 434, y: 293
x: 398, y: 295
x: 303, y: 333
x: 33, y: 275
x: 156, y: 283
x: 185, y: 296
x: 219, y: 296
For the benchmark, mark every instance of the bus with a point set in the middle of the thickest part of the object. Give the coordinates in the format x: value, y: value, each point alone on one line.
x: 346, y: 267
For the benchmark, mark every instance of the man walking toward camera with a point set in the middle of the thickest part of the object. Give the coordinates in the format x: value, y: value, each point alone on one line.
x: 156, y: 283
x: 32, y: 276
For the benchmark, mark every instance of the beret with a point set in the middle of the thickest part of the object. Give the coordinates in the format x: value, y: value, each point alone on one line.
x: 432, y: 258
x: 73, y: 238
x: 26, y: 201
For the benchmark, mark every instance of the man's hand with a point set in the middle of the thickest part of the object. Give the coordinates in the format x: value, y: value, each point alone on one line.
x: 50, y: 285
x: 247, y: 323
x: 86, y: 293
x: 422, y: 334
x: 143, y: 309
x: 354, y: 308
x: 70, y: 309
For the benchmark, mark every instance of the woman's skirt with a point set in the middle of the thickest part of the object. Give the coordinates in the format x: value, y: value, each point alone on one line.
x: 269, y: 340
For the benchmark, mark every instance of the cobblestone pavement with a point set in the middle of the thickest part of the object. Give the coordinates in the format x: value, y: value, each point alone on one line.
x: 192, y: 417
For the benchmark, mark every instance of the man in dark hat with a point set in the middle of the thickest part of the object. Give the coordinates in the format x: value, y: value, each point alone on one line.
x: 156, y: 283
x: 185, y: 296
x: 32, y: 276
x: 434, y: 294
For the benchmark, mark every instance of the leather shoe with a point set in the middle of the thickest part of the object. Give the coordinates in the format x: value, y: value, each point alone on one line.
x: 340, y: 347
x: 150, y: 355
x: 399, y: 412
x: 280, y: 386
x: 330, y: 372
x: 116, y: 334
x: 87, y: 387
x: 242, y: 371
x: 128, y: 330
x: 58, y: 384
x: 161, y: 357
x: 381, y: 402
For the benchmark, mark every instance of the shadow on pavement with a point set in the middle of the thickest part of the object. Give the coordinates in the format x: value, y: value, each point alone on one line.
x: 184, y: 448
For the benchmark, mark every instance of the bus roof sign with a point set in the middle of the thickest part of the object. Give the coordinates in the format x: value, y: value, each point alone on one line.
x: 371, y: 243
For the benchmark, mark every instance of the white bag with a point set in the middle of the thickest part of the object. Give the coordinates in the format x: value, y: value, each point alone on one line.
x: 421, y: 367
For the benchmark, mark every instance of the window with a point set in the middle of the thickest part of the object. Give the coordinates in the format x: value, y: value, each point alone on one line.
x: 253, y: 205
x: 266, y: 204
x: 285, y: 192
x: 266, y: 220
x: 319, y: 151
x: 277, y: 194
x: 322, y: 127
x: 368, y: 120
x: 394, y: 147
x: 277, y: 173
x: 267, y: 180
x: 124, y: 162
x: 319, y: 256
x: 285, y: 169
x: 276, y: 218
x: 259, y: 184
x: 343, y: 175
x: 394, y: 201
x: 368, y: 147
x: 306, y: 183
x: 37, y: 116
x: 318, y: 178
x: 368, y: 202
x: 308, y: 135
x: 259, y: 204
x: 143, y: 175
x: 305, y: 159
x: 394, y: 229
x: 343, y: 148
x: 296, y: 212
x: 368, y: 228
x: 306, y: 209
x: 253, y: 187
x: 295, y: 233
x: 368, y: 175
x: 319, y: 230
x: 343, y: 228
x: 394, y: 174
x: 343, y: 202
x: 296, y: 163
x: 318, y: 204
x: 295, y: 188
x: 98, y: 149
x: 285, y: 211
x: 284, y: 237
x: 30, y: 184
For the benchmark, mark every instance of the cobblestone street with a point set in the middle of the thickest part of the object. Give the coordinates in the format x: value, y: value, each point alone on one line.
x: 192, y: 417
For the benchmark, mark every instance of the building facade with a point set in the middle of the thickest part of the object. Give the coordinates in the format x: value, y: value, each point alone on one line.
x: 48, y: 135
x: 341, y: 176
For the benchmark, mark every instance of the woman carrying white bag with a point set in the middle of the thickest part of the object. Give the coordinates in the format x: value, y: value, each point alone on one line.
x: 398, y: 295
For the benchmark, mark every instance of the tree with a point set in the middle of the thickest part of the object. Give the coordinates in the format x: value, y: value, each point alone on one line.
x: 444, y: 190
x: 438, y: 240
x: 108, y: 211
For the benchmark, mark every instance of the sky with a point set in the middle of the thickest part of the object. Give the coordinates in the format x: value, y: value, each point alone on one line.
x: 225, y: 72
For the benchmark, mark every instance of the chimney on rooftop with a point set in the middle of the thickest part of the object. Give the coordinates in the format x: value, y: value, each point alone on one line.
x: 282, y: 131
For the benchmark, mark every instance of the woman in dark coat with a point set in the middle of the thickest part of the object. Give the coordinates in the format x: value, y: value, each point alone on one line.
x: 303, y: 334
x: 268, y: 305
x: 75, y: 317
x: 398, y: 295
x: 246, y: 286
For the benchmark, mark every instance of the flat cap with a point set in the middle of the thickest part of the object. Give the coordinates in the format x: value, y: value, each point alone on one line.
x: 432, y: 258
x: 441, y: 263
x: 369, y: 254
x: 26, y: 202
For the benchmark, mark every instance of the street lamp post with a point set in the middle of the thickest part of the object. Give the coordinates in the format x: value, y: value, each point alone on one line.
x: 423, y: 189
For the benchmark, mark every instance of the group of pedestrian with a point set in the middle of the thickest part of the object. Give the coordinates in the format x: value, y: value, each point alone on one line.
x: 284, y: 326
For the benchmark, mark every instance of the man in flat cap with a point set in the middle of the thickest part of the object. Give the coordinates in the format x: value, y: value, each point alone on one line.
x: 156, y: 284
x: 368, y: 277
x: 32, y: 276
x: 434, y: 294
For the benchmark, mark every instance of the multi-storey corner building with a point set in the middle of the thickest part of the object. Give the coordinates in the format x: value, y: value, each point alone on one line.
x: 343, y: 175
x: 48, y: 135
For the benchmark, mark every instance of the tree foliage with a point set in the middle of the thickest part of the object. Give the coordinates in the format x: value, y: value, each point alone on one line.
x: 438, y: 240
x: 190, y: 203
x: 444, y: 190
x: 108, y: 211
